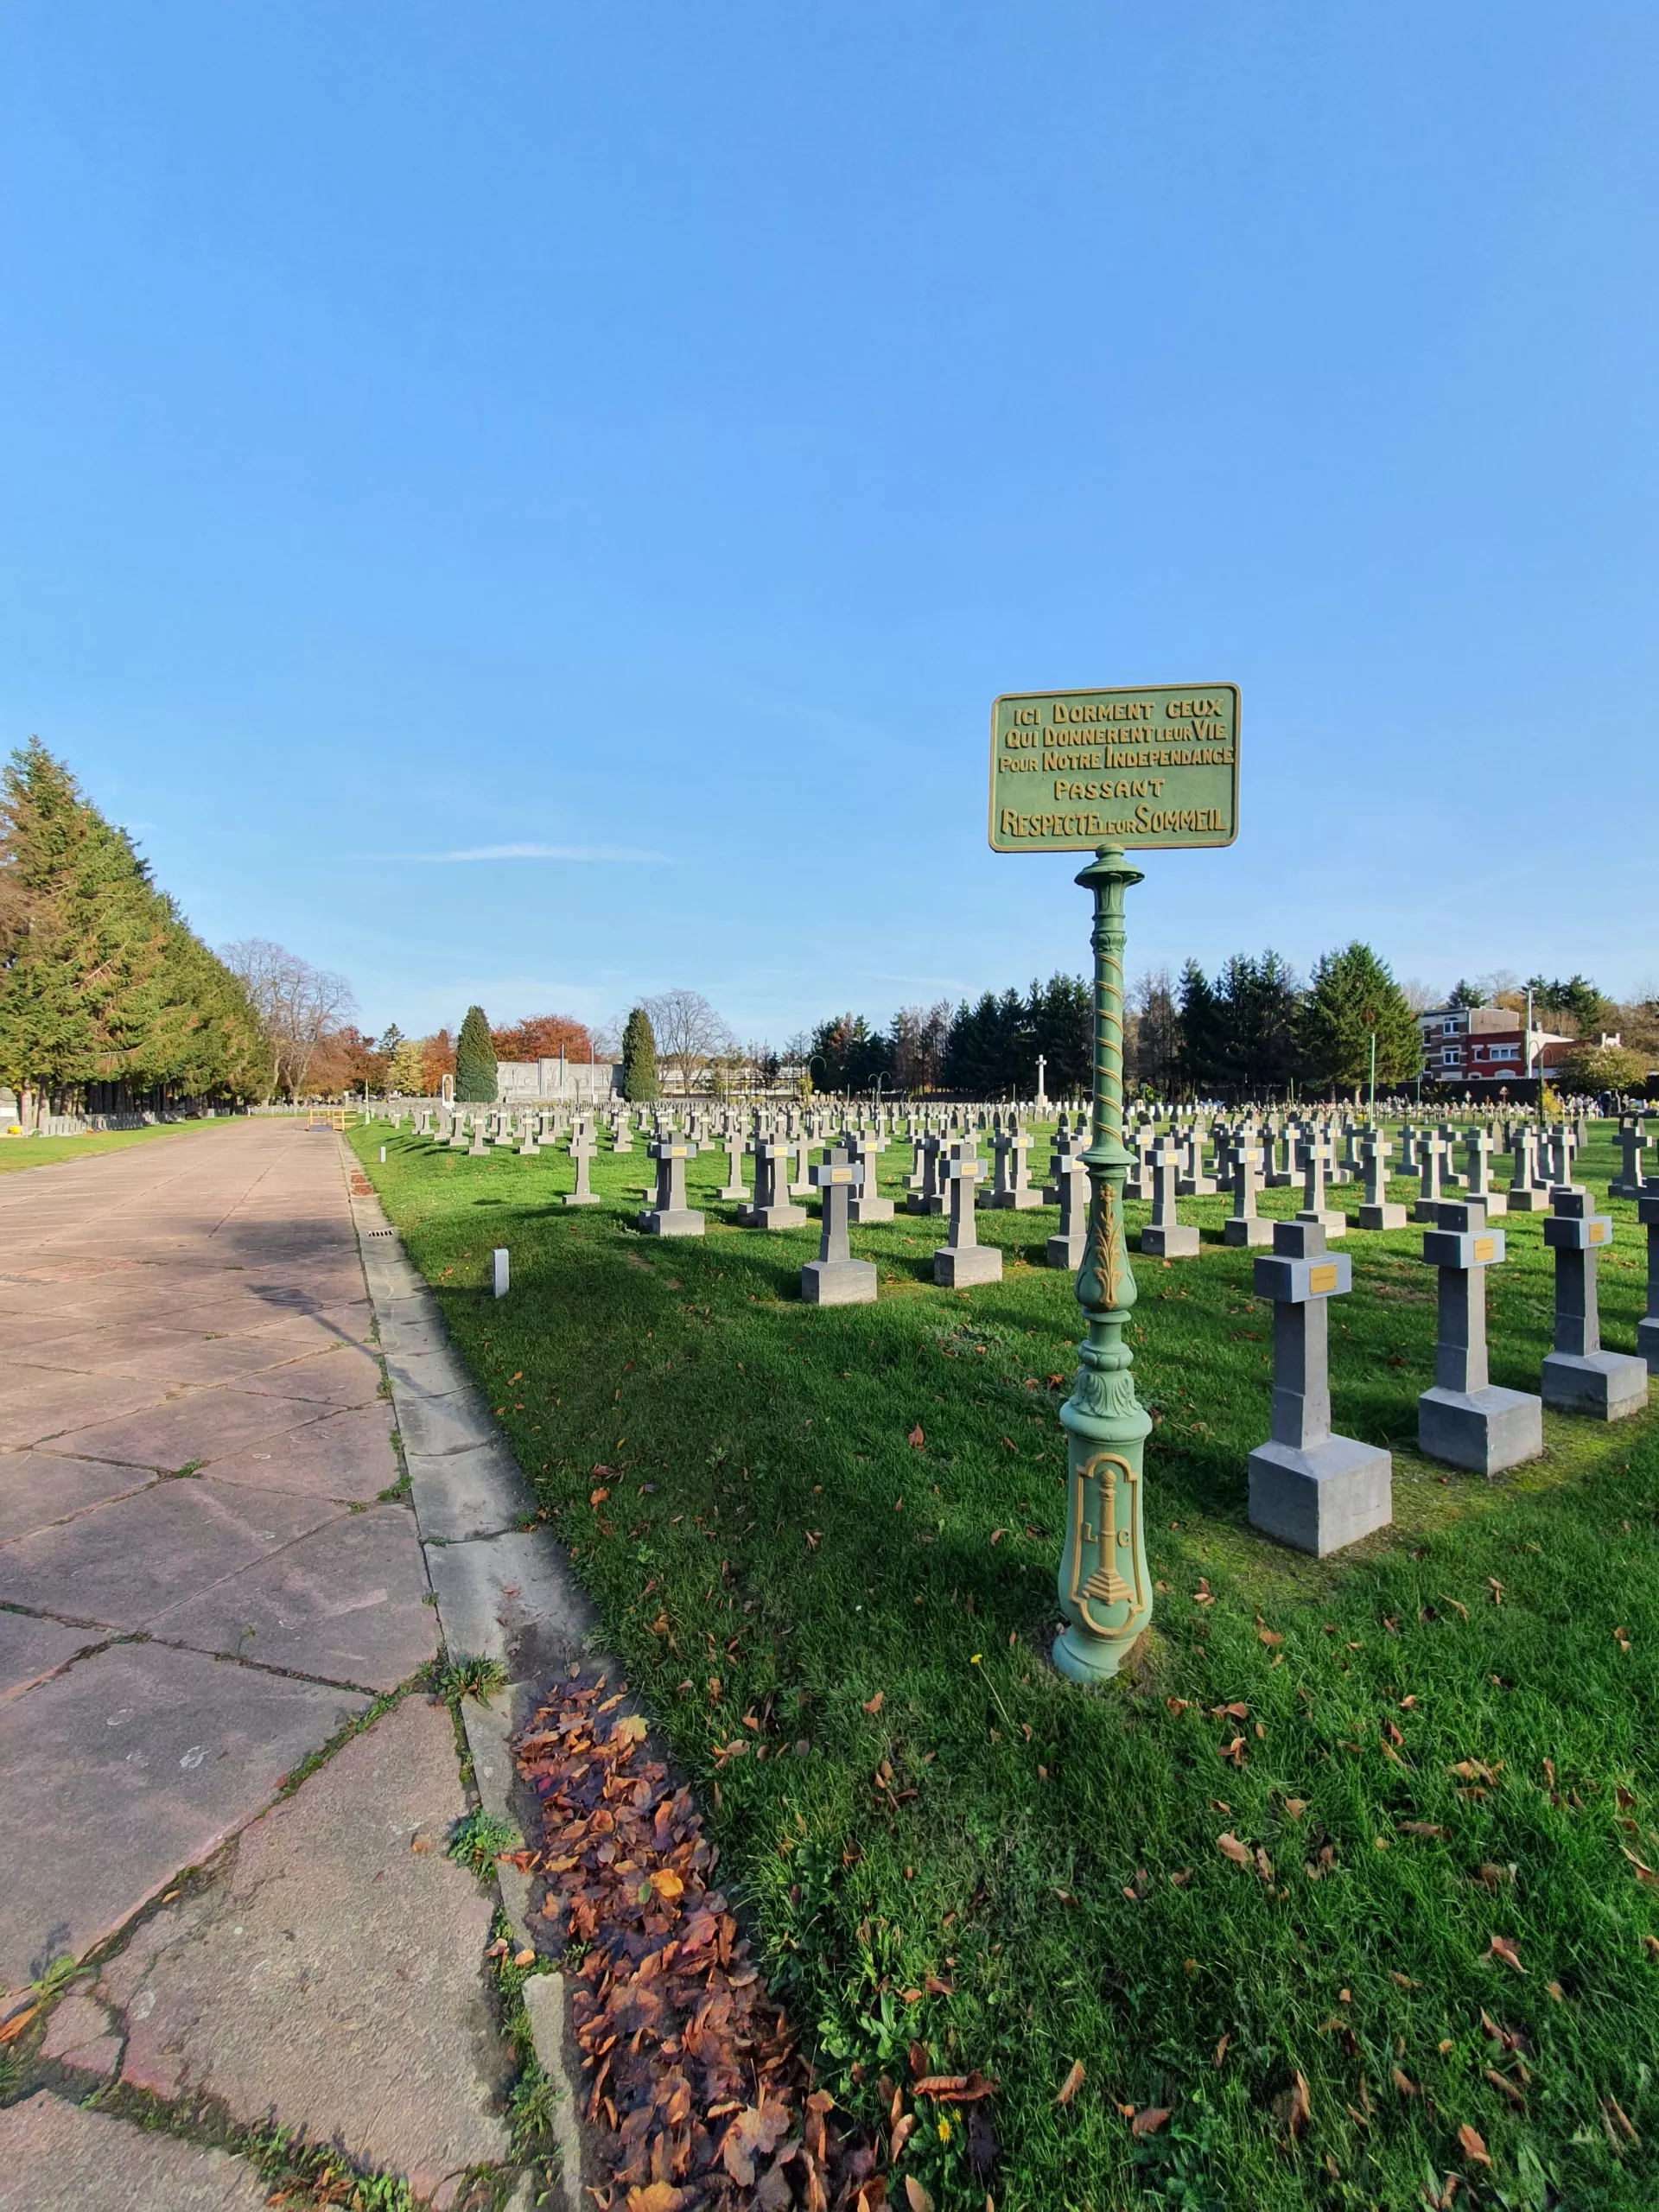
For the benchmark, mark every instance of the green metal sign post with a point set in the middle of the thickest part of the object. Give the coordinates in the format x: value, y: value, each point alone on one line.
x: 1109, y: 770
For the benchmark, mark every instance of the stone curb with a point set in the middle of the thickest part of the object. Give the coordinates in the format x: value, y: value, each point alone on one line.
x: 502, y: 1591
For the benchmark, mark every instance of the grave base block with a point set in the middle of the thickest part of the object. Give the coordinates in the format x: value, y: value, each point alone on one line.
x: 684, y: 1223
x: 1647, y: 1344
x: 1176, y: 1242
x: 1066, y: 1251
x: 1333, y: 1222
x: 838, y: 1282
x: 1382, y: 1217
x: 1496, y: 1203
x: 1606, y: 1385
x: 583, y: 1199
x: 917, y: 1204
x: 1195, y: 1187
x: 730, y: 1190
x: 862, y: 1208
x: 960, y: 1266
x: 1025, y: 1201
x: 1318, y: 1501
x: 1238, y: 1229
x: 1482, y: 1430
x: 1528, y: 1201
x: 774, y: 1217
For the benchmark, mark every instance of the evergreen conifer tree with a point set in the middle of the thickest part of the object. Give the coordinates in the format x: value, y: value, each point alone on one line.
x: 101, y: 981
x: 474, y: 1061
x: 640, y: 1077
x: 1352, y: 996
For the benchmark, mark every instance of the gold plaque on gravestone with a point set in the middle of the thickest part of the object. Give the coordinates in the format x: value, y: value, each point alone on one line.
x: 1072, y: 770
x: 1320, y: 1280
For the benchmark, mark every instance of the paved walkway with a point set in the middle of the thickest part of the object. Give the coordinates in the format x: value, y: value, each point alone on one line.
x: 208, y: 1571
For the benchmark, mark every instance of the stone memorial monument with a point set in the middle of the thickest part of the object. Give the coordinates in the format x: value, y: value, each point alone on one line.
x: 1166, y: 1237
x: 1309, y: 1488
x: 1465, y: 1420
x: 1578, y: 1377
x: 962, y: 1260
x: 670, y: 1217
x: 834, y: 1278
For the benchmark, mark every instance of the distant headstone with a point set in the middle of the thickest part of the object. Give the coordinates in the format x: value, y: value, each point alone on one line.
x: 1377, y: 1211
x: 1309, y: 1488
x: 1071, y: 1190
x: 1578, y: 1377
x: 1244, y: 1226
x: 670, y: 1217
x: 1166, y: 1237
x: 499, y: 1270
x: 773, y: 1207
x: 583, y: 1145
x: 866, y: 1203
x: 961, y: 1259
x: 1465, y: 1418
x: 834, y: 1278
x: 1313, y: 1158
x: 1012, y: 1191
x: 1647, y: 1329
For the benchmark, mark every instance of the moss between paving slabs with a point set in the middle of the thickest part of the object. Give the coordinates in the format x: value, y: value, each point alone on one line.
x: 841, y: 1631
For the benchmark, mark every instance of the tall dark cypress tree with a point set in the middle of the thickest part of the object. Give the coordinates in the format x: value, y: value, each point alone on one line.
x: 640, y: 1081
x: 475, y: 1082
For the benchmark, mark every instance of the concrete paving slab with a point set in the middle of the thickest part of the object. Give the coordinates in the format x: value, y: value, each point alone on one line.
x: 83, y: 2034
x: 127, y: 1767
x: 333, y: 1978
x: 510, y: 1598
x: 31, y: 1649
x: 37, y: 1488
x: 437, y: 1371
x: 436, y: 1426
x: 463, y: 1494
x: 348, y: 1456
x: 38, y: 1402
x: 124, y: 1563
x: 199, y: 1426
x: 341, y: 1374
x: 56, y: 2156
x: 346, y: 1604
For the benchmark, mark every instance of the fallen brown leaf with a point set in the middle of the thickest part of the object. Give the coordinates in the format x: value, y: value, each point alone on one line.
x: 874, y: 1705
x: 917, y: 1437
x: 1073, y: 2081
x: 916, y: 2196
x: 1473, y: 2149
x: 1148, y: 2120
x: 1501, y: 1947
x: 1229, y: 1847
x: 1403, y: 2083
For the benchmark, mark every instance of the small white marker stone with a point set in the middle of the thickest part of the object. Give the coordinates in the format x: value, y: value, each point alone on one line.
x: 383, y: 1155
x: 499, y: 1255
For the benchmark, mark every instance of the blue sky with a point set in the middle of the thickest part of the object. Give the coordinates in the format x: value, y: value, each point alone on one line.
x: 533, y: 502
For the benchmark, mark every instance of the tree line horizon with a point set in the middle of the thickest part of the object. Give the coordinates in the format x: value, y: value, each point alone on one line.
x: 109, y: 1003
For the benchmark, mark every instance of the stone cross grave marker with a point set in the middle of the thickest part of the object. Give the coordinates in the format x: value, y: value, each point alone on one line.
x: 670, y: 1217
x: 961, y: 1259
x: 834, y: 1278
x: 1308, y: 1487
x: 1166, y: 1237
x: 1466, y: 1418
x: 1578, y: 1377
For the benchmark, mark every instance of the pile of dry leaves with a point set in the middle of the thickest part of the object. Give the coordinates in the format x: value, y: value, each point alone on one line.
x: 695, y: 2086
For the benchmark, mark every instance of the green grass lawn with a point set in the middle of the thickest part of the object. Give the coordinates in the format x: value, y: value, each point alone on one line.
x: 825, y: 1544
x: 45, y: 1151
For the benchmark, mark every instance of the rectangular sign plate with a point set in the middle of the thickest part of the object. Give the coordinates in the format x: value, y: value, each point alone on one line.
x: 1156, y: 766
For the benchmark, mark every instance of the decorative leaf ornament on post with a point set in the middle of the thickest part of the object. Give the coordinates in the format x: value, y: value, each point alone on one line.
x: 1109, y: 770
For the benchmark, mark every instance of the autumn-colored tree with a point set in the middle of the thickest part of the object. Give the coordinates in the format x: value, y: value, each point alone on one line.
x: 544, y: 1037
x: 437, y: 1060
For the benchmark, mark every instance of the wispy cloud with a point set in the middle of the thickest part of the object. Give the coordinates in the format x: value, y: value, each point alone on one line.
x: 542, y: 853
